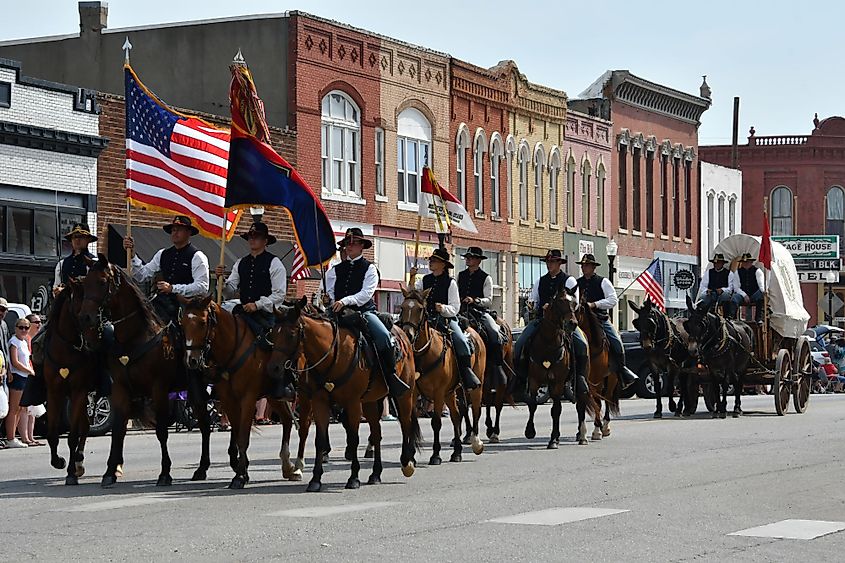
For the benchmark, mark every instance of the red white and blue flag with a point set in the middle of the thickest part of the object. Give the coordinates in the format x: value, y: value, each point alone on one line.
x: 652, y: 281
x: 175, y: 163
x: 298, y: 270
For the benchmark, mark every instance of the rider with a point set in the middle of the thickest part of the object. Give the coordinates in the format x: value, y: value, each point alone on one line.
x: 601, y: 298
x: 475, y: 287
x: 443, y: 304
x: 260, y: 279
x: 74, y: 265
x: 353, y: 285
x: 749, y: 288
x: 715, y: 287
x: 542, y: 293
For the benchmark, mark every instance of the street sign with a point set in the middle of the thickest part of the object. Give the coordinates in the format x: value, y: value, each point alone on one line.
x: 824, y: 264
x: 830, y: 301
x: 810, y: 246
x: 683, y: 279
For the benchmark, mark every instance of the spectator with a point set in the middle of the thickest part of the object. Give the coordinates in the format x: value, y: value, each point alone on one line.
x: 4, y: 331
x: 26, y: 418
x: 21, y: 368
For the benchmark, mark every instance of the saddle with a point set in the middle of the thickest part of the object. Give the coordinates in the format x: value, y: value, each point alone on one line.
x: 356, y: 323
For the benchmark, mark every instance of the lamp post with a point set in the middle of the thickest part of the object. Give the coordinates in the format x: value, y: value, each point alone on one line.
x: 257, y: 213
x: 830, y: 278
x: 611, y: 250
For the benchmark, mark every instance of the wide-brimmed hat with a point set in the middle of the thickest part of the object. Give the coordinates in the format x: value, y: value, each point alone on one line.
x: 80, y: 229
x: 588, y: 259
x: 355, y: 234
x: 746, y: 257
x: 719, y: 257
x: 259, y: 228
x: 554, y: 254
x: 181, y: 221
x: 4, y: 304
x: 474, y: 252
x: 443, y: 255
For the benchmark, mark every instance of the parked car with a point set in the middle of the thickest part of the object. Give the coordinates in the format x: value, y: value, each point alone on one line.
x: 16, y: 311
x: 635, y: 356
x: 822, y: 338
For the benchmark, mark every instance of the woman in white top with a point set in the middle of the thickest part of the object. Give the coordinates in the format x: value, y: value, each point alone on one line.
x: 19, y: 369
x: 26, y: 419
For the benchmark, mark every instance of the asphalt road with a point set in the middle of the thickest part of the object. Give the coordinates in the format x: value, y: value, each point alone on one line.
x: 657, y: 490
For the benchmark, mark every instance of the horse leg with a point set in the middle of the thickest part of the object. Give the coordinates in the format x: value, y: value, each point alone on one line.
x: 598, y: 425
x: 452, y: 403
x: 120, y: 408
x: 554, y: 439
x: 475, y: 441
x: 54, y: 414
x: 240, y: 434
x: 198, y: 396
x: 738, y: 384
x: 658, y: 394
x: 353, y: 411
x: 77, y: 432
x: 500, y: 401
x: 488, y: 421
x: 581, y: 408
x: 530, y: 431
x: 464, y: 407
x: 407, y: 410
x: 320, y: 413
x: 436, y: 425
x: 304, y: 427
x: 289, y: 471
x: 723, y: 403
x: 162, y: 414
x: 605, y: 429
x: 373, y: 416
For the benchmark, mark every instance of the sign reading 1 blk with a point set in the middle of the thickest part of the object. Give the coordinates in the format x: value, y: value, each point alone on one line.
x: 683, y: 279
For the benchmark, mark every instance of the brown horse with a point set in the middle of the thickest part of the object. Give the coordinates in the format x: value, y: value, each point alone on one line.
x: 604, y: 383
x: 216, y: 339
x: 549, y: 360
x: 438, y: 371
x: 142, y: 362
x: 336, y: 372
x: 69, y: 374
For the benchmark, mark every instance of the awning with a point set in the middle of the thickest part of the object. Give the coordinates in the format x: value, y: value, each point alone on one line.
x: 149, y: 240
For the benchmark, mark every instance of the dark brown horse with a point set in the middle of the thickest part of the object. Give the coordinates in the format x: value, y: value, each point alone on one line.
x: 549, y: 361
x: 215, y: 339
x: 69, y: 374
x: 142, y: 362
x: 604, y: 383
x: 438, y: 372
x: 336, y: 372
x: 495, y: 388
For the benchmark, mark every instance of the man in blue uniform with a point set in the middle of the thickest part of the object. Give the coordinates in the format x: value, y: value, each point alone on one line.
x: 749, y: 288
x: 353, y: 285
x: 601, y: 298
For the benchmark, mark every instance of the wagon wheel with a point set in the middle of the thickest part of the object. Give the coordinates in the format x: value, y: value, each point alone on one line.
x: 711, y: 395
x: 803, y: 372
x: 782, y: 383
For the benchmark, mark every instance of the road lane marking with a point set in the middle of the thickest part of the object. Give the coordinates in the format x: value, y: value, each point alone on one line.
x: 116, y: 503
x: 557, y: 516
x: 793, y: 530
x: 321, y: 511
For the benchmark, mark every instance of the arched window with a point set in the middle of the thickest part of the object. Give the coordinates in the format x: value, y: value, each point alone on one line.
x: 601, y: 176
x: 496, y: 154
x: 781, y: 211
x: 510, y: 152
x: 721, y: 219
x: 835, y: 224
x: 571, y: 165
x: 341, y: 145
x: 539, y: 164
x: 478, y: 169
x: 586, y: 173
x: 711, y: 226
x: 522, y: 160
x: 461, y: 146
x: 413, y: 151
x: 554, y: 176
x: 732, y: 215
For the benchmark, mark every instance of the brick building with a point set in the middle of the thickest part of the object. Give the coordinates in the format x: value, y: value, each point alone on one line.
x: 800, y: 181
x: 654, y: 206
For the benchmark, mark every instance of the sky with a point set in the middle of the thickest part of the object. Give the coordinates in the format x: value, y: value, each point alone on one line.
x: 776, y: 55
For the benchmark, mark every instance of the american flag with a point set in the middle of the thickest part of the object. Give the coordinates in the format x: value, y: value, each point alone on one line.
x: 298, y: 270
x: 652, y: 281
x: 175, y: 163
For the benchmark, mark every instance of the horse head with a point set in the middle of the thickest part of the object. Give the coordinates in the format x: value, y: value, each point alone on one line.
x: 98, y: 287
x: 412, y: 312
x: 199, y: 318
x: 645, y: 323
x: 562, y: 309
x: 697, y: 326
x: 287, y: 336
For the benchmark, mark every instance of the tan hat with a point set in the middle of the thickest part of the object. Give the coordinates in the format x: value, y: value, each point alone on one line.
x: 3, y: 303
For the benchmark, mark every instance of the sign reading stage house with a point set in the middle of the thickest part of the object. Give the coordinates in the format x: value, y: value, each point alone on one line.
x: 816, y: 256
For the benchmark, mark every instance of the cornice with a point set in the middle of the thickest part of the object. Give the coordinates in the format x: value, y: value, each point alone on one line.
x: 53, y: 140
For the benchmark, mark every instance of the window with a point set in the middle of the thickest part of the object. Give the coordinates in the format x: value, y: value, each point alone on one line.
x: 623, y: 186
x: 510, y: 151
x: 721, y: 218
x: 554, y: 175
x: 340, y: 130
x: 522, y: 159
x: 478, y: 170
x: 34, y: 230
x: 781, y: 211
x: 5, y: 95
x: 732, y: 215
x: 45, y: 235
x: 635, y: 191
x: 835, y: 224
x: 710, y: 225
x: 461, y: 146
x: 539, y: 163
x: 676, y: 196
x: 688, y: 199
x: 380, y: 163
x: 20, y: 231
x: 570, y: 191
x: 601, y: 175
x: 664, y: 189
x: 496, y: 153
x: 649, y: 191
x: 586, y: 172
x: 413, y: 152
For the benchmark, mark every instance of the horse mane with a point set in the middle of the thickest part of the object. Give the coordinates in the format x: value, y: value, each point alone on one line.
x: 593, y: 324
x: 57, y: 306
x: 147, y: 311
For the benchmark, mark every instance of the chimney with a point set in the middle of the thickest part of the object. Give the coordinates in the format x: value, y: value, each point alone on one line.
x: 93, y: 17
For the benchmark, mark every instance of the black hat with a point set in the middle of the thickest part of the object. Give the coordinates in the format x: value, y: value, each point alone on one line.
x: 588, y: 259
x: 719, y: 257
x: 554, y: 254
x: 474, y: 252
x: 80, y: 229
x: 443, y: 255
x: 746, y: 257
x: 259, y: 228
x: 355, y: 234
x: 181, y: 221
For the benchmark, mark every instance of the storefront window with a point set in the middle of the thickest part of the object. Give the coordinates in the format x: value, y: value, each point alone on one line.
x: 45, y: 233
x: 20, y: 231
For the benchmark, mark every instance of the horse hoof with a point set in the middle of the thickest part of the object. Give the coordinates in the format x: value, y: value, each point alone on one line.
x: 714, y: 415
x: 583, y: 442
x: 553, y: 445
x: 369, y: 453
x: 494, y: 439
x: 71, y: 480
x: 108, y: 481
x: 456, y: 458
x: 299, y: 464
x: 237, y: 483
x: 737, y: 414
x: 658, y: 414
x: 489, y: 432
x: 295, y: 476
x: 723, y: 415
x: 199, y: 475
x: 408, y: 470
x: 119, y: 470
x: 164, y: 481
x: 435, y: 460
x: 80, y: 469
x: 530, y: 432
x: 374, y: 480
x: 353, y: 483
x: 678, y: 414
x: 477, y: 445
x: 672, y: 406
x: 596, y: 435
x: 58, y: 462
x: 467, y: 440
x: 314, y: 487
x: 325, y: 458
x: 605, y: 432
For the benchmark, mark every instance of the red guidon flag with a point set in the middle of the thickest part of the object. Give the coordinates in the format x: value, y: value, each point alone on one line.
x: 765, y: 256
x: 438, y: 203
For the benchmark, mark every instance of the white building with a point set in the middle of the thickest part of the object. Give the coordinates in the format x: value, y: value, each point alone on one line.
x: 49, y: 143
x: 721, y: 207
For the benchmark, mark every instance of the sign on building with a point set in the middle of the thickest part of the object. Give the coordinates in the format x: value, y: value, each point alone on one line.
x: 816, y: 256
x: 585, y: 247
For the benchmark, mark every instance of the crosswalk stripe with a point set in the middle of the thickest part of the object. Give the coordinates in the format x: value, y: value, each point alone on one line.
x: 117, y: 503
x: 322, y: 511
x: 793, y: 529
x: 557, y: 516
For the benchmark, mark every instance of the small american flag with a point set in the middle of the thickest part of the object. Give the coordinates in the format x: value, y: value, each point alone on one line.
x: 652, y: 281
x: 298, y: 270
x: 175, y: 163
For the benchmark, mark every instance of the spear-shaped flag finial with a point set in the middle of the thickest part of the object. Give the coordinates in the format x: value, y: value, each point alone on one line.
x: 127, y: 46
x: 239, y: 58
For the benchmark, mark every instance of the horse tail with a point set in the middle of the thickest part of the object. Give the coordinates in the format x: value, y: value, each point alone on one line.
x: 615, y: 398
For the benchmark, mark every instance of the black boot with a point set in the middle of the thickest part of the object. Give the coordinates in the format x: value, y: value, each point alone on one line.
x: 395, y: 386
x: 627, y: 376
x: 500, y: 377
x: 582, y: 363
x: 468, y: 378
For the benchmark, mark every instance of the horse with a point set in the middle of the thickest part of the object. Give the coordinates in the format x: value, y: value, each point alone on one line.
x: 604, y: 383
x: 724, y: 346
x: 438, y: 372
x: 549, y: 362
x: 335, y: 371
x: 217, y: 340
x: 665, y: 347
x: 142, y: 362
x: 69, y: 374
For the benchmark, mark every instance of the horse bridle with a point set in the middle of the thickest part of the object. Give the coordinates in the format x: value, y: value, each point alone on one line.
x: 293, y: 355
x: 417, y: 331
x: 103, y: 310
x: 208, y: 339
x: 668, y: 339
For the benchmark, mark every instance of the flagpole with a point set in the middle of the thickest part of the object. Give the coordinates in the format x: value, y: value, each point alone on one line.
x: 412, y: 279
x: 766, y: 287
x: 127, y: 46
x: 222, y: 255
x: 317, y: 233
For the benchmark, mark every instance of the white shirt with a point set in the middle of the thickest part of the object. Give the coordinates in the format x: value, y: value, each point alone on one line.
x: 368, y: 288
x: 22, y: 351
x: 610, y: 299
x: 737, y: 287
x: 450, y: 309
x: 705, y: 283
x: 278, y: 285
x: 199, y: 271
x: 487, y: 299
x: 570, y: 283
